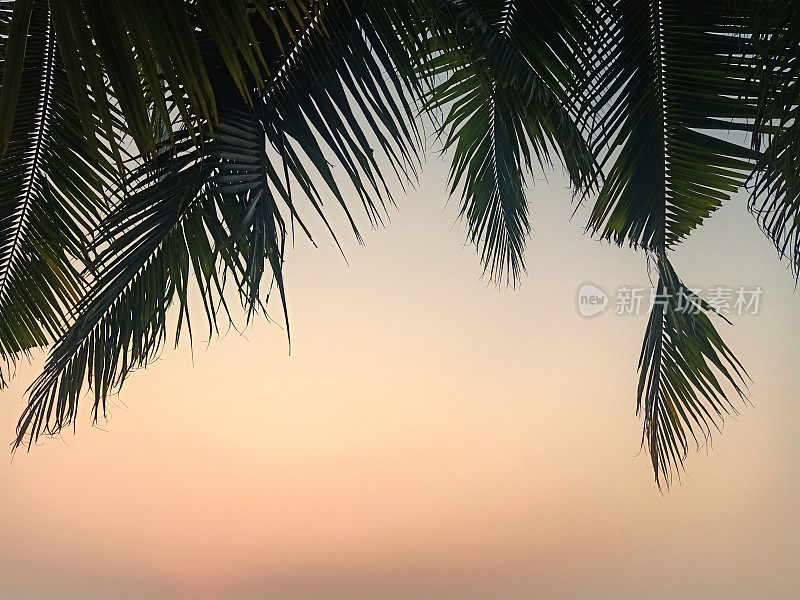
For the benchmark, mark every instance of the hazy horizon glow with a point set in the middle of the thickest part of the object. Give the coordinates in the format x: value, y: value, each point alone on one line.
x: 430, y: 437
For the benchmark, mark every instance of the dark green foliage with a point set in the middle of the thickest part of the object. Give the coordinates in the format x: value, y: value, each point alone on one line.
x: 666, y: 101
x: 775, y: 200
x: 505, y: 88
x: 155, y: 147
x: 682, y: 361
x: 51, y: 197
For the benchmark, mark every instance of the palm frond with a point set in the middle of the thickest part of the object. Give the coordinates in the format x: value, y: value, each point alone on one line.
x: 346, y: 86
x: 666, y: 93
x: 506, y: 82
x: 682, y: 367
x: 51, y: 196
x: 145, y: 252
x: 212, y: 212
x: 775, y: 195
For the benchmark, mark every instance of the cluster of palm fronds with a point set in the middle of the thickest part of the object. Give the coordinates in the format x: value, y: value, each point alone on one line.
x: 153, y: 147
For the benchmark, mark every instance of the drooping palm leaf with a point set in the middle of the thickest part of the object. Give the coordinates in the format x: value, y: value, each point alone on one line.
x: 212, y: 213
x: 345, y: 87
x: 667, y: 95
x: 51, y: 196
x: 146, y: 254
x: 681, y: 367
x: 666, y: 90
x: 507, y: 76
x: 775, y: 198
x: 55, y: 99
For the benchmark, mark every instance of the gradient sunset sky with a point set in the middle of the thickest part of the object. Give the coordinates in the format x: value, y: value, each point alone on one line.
x: 430, y: 438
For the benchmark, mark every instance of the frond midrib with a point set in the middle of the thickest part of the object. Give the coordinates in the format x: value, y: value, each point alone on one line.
x: 42, y: 128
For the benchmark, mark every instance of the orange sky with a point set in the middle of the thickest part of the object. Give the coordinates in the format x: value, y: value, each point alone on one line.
x: 430, y: 437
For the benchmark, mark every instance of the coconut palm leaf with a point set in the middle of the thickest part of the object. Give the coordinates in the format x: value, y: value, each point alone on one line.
x: 667, y: 92
x: 149, y: 247
x: 55, y: 100
x: 214, y: 212
x: 775, y: 197
x: 349, y: 64
x: 51, y: 196
x: 682, y: 366
x: 506, y: 78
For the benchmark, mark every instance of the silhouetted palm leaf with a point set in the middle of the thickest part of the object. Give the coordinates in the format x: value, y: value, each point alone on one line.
x: 666, y: 93
x: 152, y: 146
x: 212, y: 211
x: 682, y: 361
x: 51, y: 196
x: 666, y: 88
x: 507, y: 77
x: 775, y: 198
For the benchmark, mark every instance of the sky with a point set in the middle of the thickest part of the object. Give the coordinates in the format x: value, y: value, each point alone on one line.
x: 430, y: 437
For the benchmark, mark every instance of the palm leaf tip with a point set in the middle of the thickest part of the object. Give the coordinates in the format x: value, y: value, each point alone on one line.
x: 684, y: 368
x: 503, y: 81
